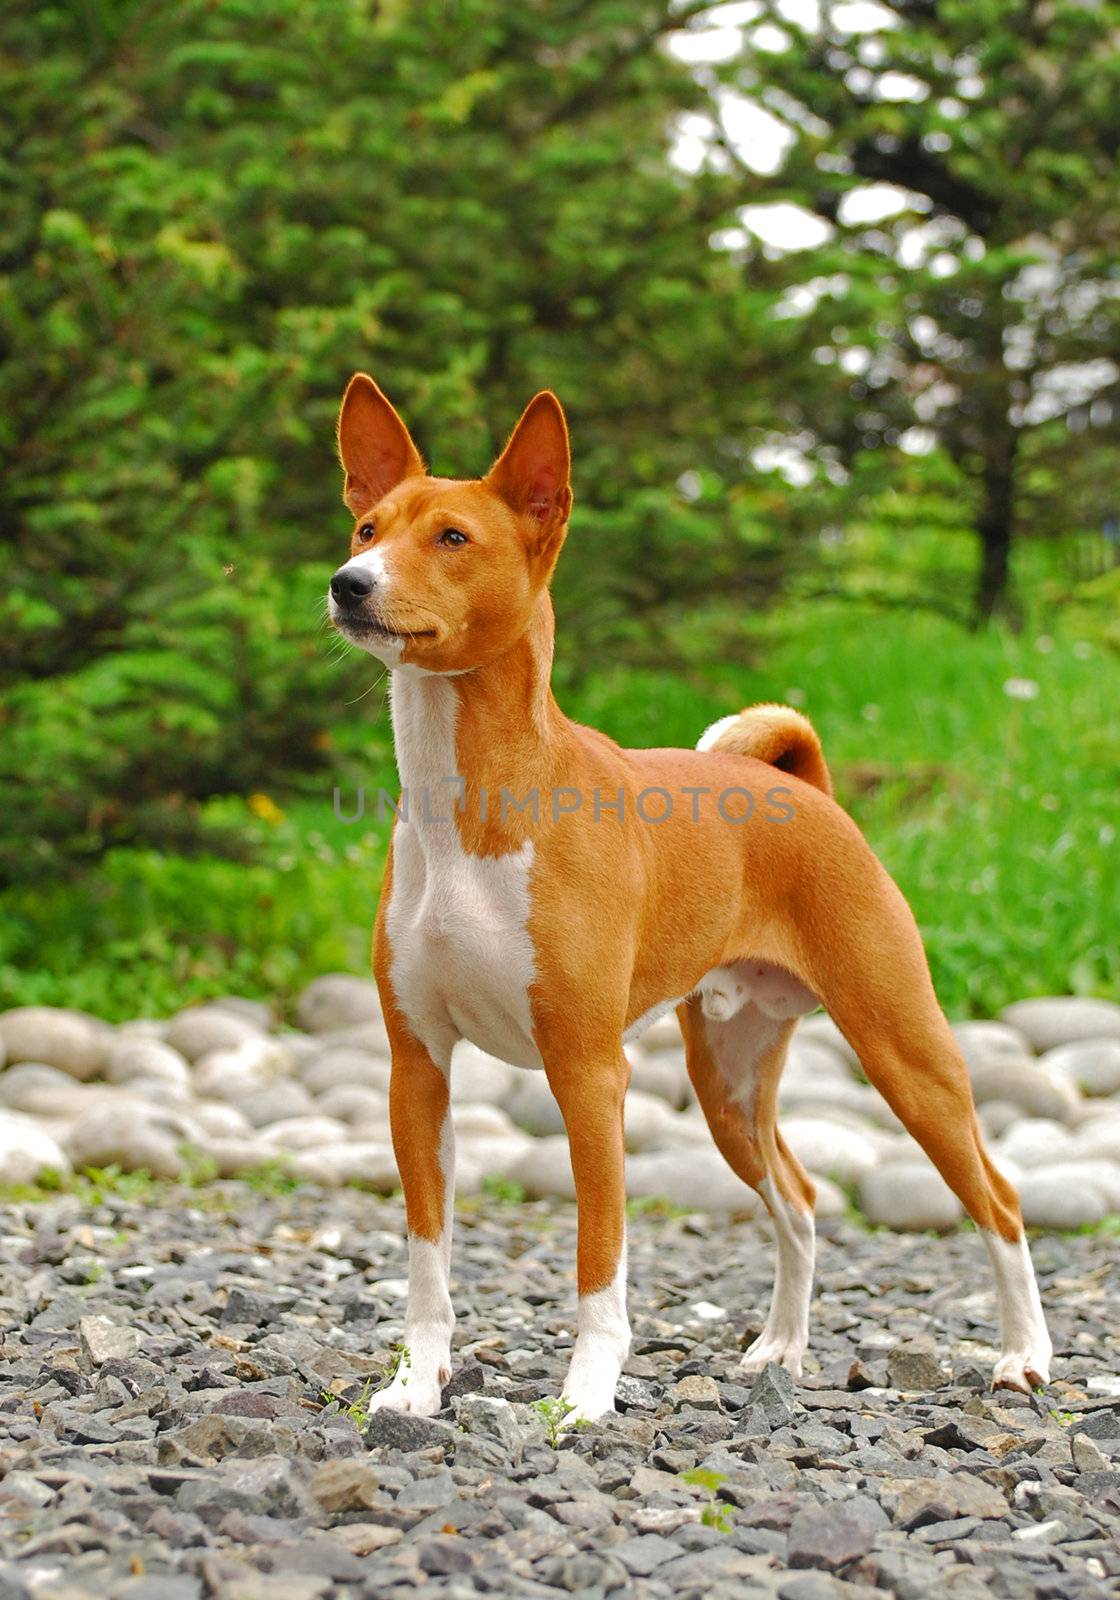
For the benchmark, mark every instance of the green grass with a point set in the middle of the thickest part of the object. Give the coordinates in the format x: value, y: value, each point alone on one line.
x: 996, y: 815
x: 197, y: 1185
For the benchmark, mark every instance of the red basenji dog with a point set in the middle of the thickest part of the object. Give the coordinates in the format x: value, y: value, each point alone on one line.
x: 548, y: 894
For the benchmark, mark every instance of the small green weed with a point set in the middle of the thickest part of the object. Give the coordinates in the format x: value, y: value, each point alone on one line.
x: 401, y: 1363
x: 653, y: 1205
x: 556, y: 1414
x: 716, y: 1514
x: 271, y: 1178
x: 504, y: 1190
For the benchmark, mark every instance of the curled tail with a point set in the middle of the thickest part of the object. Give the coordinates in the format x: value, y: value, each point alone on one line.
x: 778, y: 735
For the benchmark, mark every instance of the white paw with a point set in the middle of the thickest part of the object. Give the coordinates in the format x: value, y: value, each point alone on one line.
x: 769, y: 1348
x: 1023, y: 1371
x: 413, y: 1394
x: 587, y: 1404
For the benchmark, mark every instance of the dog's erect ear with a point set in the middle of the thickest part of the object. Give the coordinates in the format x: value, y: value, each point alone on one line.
x: 375, y: 446
x: 532, y: 472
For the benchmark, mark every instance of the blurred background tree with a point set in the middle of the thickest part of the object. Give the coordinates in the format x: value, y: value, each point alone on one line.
x: 959, y: 158
x: 828, y: 293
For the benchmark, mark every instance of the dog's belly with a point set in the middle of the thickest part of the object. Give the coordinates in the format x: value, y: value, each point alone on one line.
x: 462, y: 959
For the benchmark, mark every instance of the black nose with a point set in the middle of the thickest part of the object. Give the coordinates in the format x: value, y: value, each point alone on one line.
x: 351, y: 585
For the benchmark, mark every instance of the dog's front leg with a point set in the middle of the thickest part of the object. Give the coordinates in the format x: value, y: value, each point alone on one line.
x: 591, y: 1096
x: 424, y: 1145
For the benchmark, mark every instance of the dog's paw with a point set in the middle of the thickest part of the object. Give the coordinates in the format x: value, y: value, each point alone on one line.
x: 1023, y: 1371
x: 585, y: 1404
x: 767, y: 1350
x: 412, y: 1394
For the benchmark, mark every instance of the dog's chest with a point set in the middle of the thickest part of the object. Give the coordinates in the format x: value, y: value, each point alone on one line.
x: 461, y: 957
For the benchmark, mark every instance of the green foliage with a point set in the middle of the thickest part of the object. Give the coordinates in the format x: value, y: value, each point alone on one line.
x: 214, y: 213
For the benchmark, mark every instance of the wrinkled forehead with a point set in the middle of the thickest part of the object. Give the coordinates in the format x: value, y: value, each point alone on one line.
x: 447, y: 500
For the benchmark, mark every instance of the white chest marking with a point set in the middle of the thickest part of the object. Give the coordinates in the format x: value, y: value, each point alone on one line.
x: 462, y: 959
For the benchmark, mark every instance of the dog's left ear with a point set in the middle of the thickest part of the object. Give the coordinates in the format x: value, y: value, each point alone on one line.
x: 375, y: 446
x: 532, y: 473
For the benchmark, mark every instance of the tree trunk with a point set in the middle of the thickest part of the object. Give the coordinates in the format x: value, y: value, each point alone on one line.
x: 996, y: 527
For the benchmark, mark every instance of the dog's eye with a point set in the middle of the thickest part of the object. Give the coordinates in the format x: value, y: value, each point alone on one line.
x: 366, y: 532
x: 453, y: 537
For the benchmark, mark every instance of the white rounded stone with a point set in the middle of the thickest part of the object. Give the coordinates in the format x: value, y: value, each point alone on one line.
x: 1050, y: 1200
x: 235, y: 1071
x: 40, y: 1090
x: 234, y: 1155
x: 365, y: 1165
x: 664, y: 1034
x: 650, y: 1123
x: 274, y: 1102
x: 354, y: 1103
x: 996, y: 1116
x: 698, y: 1179
x: 1063, y: 1019
x: 481, y: 1121
x: 1029, y: 1085
x: 821, y: 1030
x: 258, y: 1012
x: 199, y: 1030
x: 982, y: 1043
x: 830, y: 1149
x: 1091, y: 1065
x: 661, y: 1074
x: 219, y: 1121
x: 477, y: 1076
x: 544, y: 1169
x: 304, y: 1133
x: 122, y: 1133
x: 533, y: 1107
x: 26, y: 1150
x: 132, y: 1057
x: 336, y: 1067
x: 1034, y: 1142
x: 480, y: 1157
x: 831, y: 1200
x: 910, y: 1196
x: 68, y: 1040
x: 337, y: 1000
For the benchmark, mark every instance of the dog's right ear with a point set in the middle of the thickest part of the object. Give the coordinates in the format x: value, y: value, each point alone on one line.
x: 374, y: 444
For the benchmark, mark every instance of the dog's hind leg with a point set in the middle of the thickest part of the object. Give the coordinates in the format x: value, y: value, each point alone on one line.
x: 735, y: 1067
x: 863, y: 955
x: 912, y: 1058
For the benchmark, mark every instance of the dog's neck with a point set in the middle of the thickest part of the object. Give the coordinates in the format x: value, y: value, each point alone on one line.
x: 469, y: 736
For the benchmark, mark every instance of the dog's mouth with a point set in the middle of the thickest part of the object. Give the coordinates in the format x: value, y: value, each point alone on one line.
x: 368, y: 627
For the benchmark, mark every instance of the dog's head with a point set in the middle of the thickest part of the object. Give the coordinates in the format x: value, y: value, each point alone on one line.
x: 444, y: 573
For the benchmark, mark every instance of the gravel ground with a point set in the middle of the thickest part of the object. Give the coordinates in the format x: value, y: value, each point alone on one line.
x: 169, y: 1428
